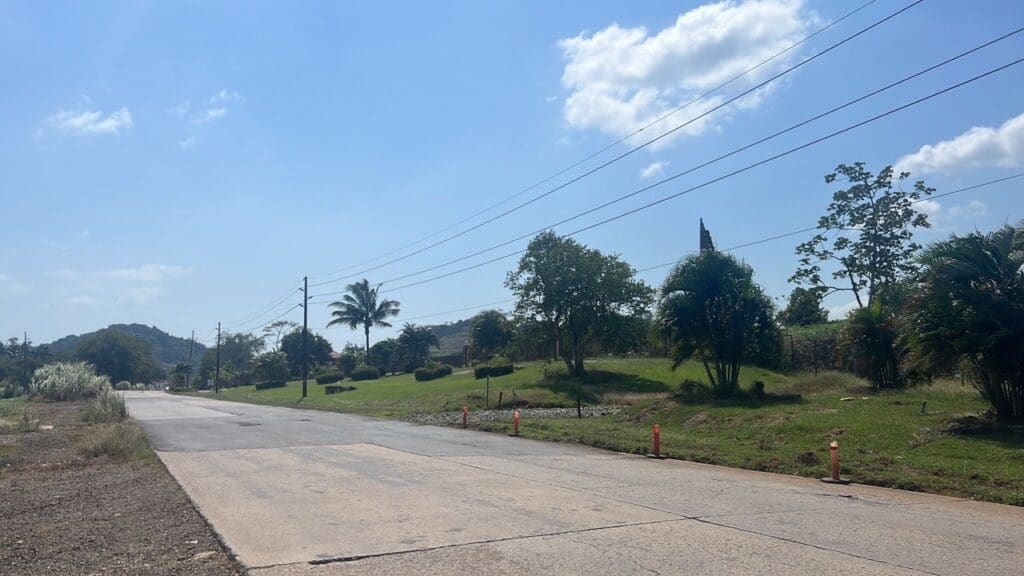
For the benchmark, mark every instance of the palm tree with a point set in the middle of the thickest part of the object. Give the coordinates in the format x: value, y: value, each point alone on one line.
x: 360, y: 308
x: 968, y: 305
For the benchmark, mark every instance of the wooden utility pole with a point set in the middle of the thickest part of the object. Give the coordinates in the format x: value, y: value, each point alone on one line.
x: 216, y: 382
x: 305, y: 333
x: 191, y: 345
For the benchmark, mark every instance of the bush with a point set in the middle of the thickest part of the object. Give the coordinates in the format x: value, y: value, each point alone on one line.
x: 62, y: 381
x: 9, y: 390
x: 497, y: 366
x: 107, y: 408
x: 334, y: 389
x: 330, y: 378
x: 365, y: 372
x: 122, y: 441
x: 554, y: 371
x: 266, y: 385
x: 123, y: 385
x: 432, y: 371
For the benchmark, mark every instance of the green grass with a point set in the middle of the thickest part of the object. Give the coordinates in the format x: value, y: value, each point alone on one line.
x: 884, y: 438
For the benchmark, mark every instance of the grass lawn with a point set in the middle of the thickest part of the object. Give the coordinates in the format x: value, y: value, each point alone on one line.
x: 884, y: 438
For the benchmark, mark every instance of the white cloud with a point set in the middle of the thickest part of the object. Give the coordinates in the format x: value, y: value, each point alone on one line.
x: 91, y: 121
x: 981, y: 146
x: 180, y: 110
x: 187, y: 143
x: 12, y: 284
x: 842, y: 311
x: 116, y: 286
x: 623, y: 78
x: 213, y: 108
x: 942, y: 217
x: 225, y: 96
x: 654, y: 169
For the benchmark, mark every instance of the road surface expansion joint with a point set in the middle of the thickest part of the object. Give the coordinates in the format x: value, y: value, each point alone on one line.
x: 356, y: 557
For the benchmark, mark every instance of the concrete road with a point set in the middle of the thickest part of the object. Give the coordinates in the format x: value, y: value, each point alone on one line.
x: 298, y: 492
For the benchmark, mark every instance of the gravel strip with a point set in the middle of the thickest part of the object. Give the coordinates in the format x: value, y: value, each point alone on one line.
x: 475, y: 416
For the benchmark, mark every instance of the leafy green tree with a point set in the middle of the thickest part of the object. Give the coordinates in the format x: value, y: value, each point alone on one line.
x: 19, y: 359
x: 180, y: 373
x: 712, y: 310
x: 804, y: 308
x: 119, y: 356
x: 272, y: 366
x: 968, y: 304
x: 490, y: 332
x: 867, y: 234
x: 274, y: 331
x: 387, y: 356
x: 360, y: 308
x: 319, y: 350
x: 237, y: 359
x: 573, y: 289
x: 351, y: 356
x: 416, y: 342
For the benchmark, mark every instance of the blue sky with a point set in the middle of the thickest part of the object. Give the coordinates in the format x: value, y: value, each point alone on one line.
x: 179, y: 164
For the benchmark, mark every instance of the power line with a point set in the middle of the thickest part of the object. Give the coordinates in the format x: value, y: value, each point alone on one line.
x: 632, y: 150
x: 734, y: 172
x: 708, y: 163
x: 601, y: 151
x: 729, y: 249
x: 713, y: 160
x: 264, y: 311
x: 813, y: 228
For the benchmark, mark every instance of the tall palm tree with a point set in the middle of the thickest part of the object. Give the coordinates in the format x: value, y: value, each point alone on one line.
x: 360, y: 308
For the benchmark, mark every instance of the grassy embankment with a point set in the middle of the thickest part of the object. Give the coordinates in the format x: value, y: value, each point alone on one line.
x: 884, y: 437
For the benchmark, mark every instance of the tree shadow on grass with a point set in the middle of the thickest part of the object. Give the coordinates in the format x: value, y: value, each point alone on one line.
x: 693, y: 393
x: 598, y: 383
x: 985, y: 428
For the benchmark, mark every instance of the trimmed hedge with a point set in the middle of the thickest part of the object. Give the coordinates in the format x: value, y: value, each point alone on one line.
x: 432, y: 372
x: 271, y: 384
x: 330, y: 378
x: 365, y: 372
x: 493, y: 369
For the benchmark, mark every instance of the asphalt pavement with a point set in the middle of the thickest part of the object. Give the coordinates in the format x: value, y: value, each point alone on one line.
x: 303, y: 492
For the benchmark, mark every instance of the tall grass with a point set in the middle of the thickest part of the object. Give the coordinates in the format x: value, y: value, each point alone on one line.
x: 107, y: 408
x: 63, y: 381
x: 121, y: 441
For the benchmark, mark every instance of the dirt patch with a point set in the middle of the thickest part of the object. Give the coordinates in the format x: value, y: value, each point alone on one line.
x: 67, y: 514
x: 697, y: 420
x: 808, y: 458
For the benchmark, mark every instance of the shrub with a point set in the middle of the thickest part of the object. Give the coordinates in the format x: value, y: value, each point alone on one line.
x: 497, y: 366
x: 122, y: 441
x: 267, y: 384
x: 108, y: 407
x: 62, y: 381
x: 123, y: 385
x: 334, y: 389
x: 365, y: 372
x: 330, y: 378
x: 432, y: 371
x: 9, y: 390
x: 554, y: 371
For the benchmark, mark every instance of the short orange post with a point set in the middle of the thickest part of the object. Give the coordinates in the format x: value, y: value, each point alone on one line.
x: 833, y: 448
x: 515, y: 423
x: 655, y: 442
x: 465, y: 416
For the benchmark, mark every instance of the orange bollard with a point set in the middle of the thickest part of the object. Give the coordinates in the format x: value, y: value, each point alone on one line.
x: 833, y: 448
x: 655, y: 442
x: 465, y: 416
x: 515, y: 423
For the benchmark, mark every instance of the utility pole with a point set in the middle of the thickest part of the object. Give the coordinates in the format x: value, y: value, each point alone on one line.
x: 216, y: 382
x: 191, y: 345
x: 305, y: 333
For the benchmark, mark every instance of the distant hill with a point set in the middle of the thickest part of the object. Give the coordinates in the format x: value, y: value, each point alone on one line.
x: 168, y: 350
x: 452, y: 336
